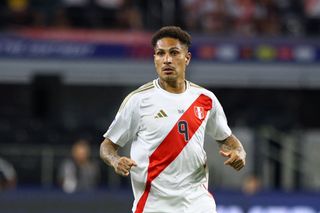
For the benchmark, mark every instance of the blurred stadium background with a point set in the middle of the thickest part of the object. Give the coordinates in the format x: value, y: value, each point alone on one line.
x: 66, y: 65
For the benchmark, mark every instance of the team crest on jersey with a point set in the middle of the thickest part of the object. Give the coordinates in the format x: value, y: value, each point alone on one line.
x: 199, y: 112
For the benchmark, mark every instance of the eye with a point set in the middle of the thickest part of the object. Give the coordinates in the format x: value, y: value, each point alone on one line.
x: 174, y: 52
x: 159, y: 53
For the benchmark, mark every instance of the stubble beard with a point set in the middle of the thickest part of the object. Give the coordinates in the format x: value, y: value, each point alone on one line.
x: 171, y: 80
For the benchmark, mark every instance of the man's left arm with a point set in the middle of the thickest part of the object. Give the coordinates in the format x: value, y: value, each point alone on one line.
x: 232, y: 148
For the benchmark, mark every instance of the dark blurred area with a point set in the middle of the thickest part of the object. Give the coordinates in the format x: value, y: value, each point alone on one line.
x: 222, y: 17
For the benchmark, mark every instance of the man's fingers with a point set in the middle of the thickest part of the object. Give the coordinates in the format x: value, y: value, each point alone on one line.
x: 131, y: 163
x: 225, y: 154
x: 126, y: 173
x: 229, y: 161
x: 124, y: 166
x: 123, y: 172
x: 127, y: 162
x: 134, y: 163
x: 238, y: 165
x: 234, y: 160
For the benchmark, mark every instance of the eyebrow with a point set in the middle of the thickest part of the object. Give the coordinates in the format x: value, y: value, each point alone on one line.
x: 172, y: 48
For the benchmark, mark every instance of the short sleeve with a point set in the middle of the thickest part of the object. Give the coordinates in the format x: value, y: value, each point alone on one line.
x: 217, y: 126
x: 125, y: 125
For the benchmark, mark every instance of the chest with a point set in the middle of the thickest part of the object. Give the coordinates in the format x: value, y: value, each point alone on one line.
x: 159, y: 115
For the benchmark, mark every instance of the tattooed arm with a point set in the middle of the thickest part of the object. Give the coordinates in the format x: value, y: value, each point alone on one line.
x: 232, y: 148
x: 109, y: 154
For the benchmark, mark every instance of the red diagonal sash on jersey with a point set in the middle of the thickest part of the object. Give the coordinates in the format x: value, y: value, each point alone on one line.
x: 174, y: 143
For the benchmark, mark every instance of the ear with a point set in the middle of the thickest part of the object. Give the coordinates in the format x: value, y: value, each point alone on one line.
x: 188, y: 58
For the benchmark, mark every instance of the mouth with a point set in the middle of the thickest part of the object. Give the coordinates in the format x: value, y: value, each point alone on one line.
x: 167, y: 70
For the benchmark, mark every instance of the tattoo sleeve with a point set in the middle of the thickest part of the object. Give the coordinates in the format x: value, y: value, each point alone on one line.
x: 108, y: 152
x: 231, y: 143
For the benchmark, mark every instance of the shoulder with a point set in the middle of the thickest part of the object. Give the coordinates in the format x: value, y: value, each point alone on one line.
x: 201, y: 90
x: 193, y: 85
x: 145, y: 87
x: 135, y: 96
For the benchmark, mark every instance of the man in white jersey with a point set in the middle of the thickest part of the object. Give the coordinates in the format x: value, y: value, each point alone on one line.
x: 166, y: 121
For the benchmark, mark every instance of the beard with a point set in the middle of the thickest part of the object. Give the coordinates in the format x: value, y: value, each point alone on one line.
x: 169, y: 78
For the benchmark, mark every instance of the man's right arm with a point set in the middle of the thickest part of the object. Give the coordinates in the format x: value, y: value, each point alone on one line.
x: 109, y: 154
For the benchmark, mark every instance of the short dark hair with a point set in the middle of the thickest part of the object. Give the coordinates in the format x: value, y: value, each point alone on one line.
x: 171, y: 32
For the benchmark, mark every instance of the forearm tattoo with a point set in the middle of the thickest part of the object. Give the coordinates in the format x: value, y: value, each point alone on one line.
x: 109, y: 154
x: 230, y: 143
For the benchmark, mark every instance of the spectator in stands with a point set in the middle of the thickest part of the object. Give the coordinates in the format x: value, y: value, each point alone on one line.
x: 243, y: 14
x: 130, y: 16
x: 8, y: 175
x: 161, y: 13
x: 191, y: 10
x: 205, y: 15
x: 267, y: 18
x: 3, y: 15
x: 251, y: 185
x: 80, y: 173
x: 43, y: 12
x: 312, y: 14
x: 74, y: 13
x: 18, y: 13
x: 213, y: 17
x: 107, y: 12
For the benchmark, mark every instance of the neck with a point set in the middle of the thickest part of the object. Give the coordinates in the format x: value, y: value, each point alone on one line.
x: 174, y: 86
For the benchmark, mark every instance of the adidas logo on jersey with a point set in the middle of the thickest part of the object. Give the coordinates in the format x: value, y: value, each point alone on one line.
x: 180, y: 111
x: 161, y: 114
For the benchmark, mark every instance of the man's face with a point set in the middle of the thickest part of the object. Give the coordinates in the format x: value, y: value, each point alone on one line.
x: 171, y: 58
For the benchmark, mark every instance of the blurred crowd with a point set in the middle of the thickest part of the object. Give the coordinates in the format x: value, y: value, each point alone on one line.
x: 221, y: 17
x: 79, y: 172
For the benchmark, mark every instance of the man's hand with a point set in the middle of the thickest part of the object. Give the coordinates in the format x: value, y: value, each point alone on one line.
x: 232, y: 148
x: 235, y: 160
x: 123, y: 165
x: 109, y: 154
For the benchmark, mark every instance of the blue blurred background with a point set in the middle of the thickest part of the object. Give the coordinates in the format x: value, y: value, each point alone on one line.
x: 65, y: 67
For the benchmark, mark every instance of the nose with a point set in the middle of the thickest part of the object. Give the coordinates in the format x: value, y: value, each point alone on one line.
x: 167, y: 59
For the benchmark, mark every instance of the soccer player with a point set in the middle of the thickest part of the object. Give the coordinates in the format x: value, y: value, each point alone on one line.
x: 166, y: 121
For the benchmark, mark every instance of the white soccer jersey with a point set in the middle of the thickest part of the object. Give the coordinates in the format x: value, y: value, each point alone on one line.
x: 167, y: 133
